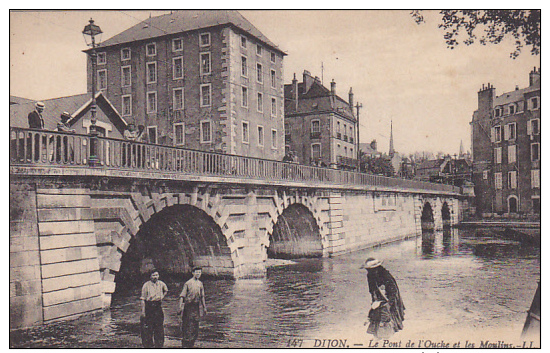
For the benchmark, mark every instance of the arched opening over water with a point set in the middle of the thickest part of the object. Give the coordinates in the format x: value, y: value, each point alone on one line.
x: 296, y: 234
x: 173, y: 241
x: 427, y: 218
x: 446, y: 215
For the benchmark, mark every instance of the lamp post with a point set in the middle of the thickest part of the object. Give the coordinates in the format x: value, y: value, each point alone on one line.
x: 90, y: 31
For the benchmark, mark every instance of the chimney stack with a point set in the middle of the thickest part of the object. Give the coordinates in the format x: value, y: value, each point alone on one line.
x: 295, y: 91
x: 333, y: 88
x: 350, y: 99
x: 534, y: 77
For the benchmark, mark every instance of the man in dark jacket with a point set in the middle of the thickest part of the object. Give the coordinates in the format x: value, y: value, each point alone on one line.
x: 35, y: 117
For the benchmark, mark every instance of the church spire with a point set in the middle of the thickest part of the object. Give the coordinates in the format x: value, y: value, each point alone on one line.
x: 461, y: 151
x: 392, y: 151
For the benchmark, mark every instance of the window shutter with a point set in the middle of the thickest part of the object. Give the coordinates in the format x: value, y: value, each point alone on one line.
x: 506, y: 132
x: 493, y: 135
x: 530, y: 127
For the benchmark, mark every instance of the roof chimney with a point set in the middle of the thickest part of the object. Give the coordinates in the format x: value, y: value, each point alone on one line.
x: 308, y: 81
x: 534, y: 77
x: 350, y: 99
x: 333, y: 88
x: 295, y: 91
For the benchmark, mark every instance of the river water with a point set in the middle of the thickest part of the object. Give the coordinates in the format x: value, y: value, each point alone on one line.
x: 458, y: 286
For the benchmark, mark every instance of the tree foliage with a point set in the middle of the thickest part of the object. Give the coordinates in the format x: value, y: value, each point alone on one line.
x: 489, y: 26
x: 377, y: 165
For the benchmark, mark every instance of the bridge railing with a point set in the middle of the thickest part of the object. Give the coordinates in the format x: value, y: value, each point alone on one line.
x: 51, y: 148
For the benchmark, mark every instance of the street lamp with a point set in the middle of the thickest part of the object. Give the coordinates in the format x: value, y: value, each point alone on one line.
x: 90, y: 32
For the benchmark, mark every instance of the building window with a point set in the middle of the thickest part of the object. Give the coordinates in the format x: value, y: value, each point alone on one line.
x: 125, y: 54
x: 151, y: 102
x: 177, y: 44
x: 533, y: 127
x: 127, y: 105
x: 273, y: 138
x: 101, y: 58
x: 126, y: 76
x: 177, y: 99
x: 102, y: 79
x: 535, y: 178
x: 177, y: 68
x: 206, y: 95
x: 512, y: 154
x: 243, y: 41
x: 260, y: 135
x: 498, y: 155
x: 510, y: 131
x: 206, y: 131
x: 273, y: 107
x: 151, y: 49
x: 258, y: 50
x: 315, y: 126
x: 244, y: 67
x: 496, y: 135
x: 272, y: 57
x: 205, y: 63
x: 535, y: 103
x: 152, y: 134
x: 498, y: 111
x: 259, y: 74
x: 260, y: 106
x: 512, y: 109
x: 485, y: 174
x: 205, y: 39
x: 535, y: 152
x: 244, y: 97
x: 179, y: 134
x: 152, y: 72
x: 512, y: 179
x: 498, y: 181
x: 246, y: 132
x: 315, y: 151
x: 273, y: 79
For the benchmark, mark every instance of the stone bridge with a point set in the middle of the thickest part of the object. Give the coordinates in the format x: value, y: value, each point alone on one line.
x: 75, y: 227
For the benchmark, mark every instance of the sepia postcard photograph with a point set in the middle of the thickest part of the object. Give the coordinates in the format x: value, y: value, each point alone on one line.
x: 286, y: 179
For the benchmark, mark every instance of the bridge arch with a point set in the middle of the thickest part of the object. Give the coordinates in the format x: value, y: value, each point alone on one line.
x: 446, y: 214
x: 290, y: 206
x: 427, y: 218
x: 174, y: 240
x: 295, y: 234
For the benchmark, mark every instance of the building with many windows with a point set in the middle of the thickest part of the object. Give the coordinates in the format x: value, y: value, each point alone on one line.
x: 206, y: 80
x: 320, y: 127
x: 506, y: 149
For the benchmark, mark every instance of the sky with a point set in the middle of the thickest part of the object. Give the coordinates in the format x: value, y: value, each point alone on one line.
x: 400, y: 72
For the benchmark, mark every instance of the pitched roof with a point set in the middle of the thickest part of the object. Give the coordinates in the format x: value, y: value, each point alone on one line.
x: 73, y: 105
x: 317, y: 97
x: 514, y: 96
x: 19, y: 100
x: 184, y: 21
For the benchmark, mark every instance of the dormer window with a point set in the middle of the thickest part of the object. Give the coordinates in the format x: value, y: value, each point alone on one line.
x: 243, y: 41
x: 535, y: 103
x: 512, y: 109
x: 498, y: 112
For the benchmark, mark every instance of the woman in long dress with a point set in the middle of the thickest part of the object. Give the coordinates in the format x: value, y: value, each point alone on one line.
x: 387, y: 311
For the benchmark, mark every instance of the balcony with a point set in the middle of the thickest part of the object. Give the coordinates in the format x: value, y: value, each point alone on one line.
x: 315, y: 135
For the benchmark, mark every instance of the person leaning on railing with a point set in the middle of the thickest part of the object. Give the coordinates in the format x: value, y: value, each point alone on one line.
x: 63, y: 126
x: 36, y: 121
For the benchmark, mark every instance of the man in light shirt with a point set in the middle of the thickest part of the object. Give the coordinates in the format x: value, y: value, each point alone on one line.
x: 152, y: 317
x: 191, y: 301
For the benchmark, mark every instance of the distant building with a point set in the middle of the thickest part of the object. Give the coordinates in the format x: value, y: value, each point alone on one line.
x: 201, y: 79
x: 320, y: 127
x: 448, y: 170
x: 506, y: 149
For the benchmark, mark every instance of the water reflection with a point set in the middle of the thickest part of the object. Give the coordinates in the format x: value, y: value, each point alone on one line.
x: 439, y: 243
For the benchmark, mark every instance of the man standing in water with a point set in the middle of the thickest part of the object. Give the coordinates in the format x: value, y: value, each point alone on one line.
x: 152, y: 317
x: 191, y: 301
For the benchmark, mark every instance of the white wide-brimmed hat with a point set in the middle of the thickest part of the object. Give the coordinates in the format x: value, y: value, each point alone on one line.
x: 371, y: 263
